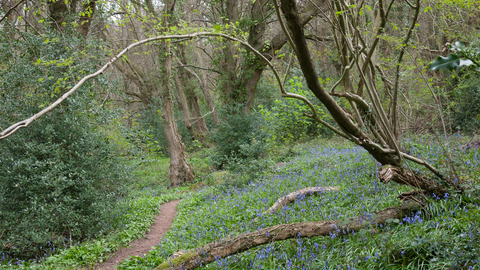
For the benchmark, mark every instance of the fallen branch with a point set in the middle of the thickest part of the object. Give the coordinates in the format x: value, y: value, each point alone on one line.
x: 302, y: 192
x: 230, y: 246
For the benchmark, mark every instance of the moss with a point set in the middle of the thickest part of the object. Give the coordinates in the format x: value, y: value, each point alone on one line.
x: 176, y: 261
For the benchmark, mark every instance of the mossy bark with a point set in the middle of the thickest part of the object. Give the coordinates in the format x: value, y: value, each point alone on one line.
x: 230, y: 246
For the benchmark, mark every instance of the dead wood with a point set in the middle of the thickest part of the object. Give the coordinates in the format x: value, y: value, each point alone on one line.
x: 296, y: 194
x: 407, y: 177
x: 230, y: 246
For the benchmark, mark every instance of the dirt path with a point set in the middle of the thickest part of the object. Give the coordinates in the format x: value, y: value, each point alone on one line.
x: 139, y: 247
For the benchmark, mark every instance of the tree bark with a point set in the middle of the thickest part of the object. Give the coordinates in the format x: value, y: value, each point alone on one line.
x: 204, y: 86
x: 405, y: 176
x: 86, y: 17
x: 58, y: 11
x: 230, y: 246
x: 184, y: 106
x: 180, y: 171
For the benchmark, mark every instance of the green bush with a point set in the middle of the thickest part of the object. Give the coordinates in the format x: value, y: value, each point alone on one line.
x: 240, y: 141
x: 59, y: 183
x: 465, y: 104
x: 59, y: 180
x: 151, y: 134
x: 286, y: 119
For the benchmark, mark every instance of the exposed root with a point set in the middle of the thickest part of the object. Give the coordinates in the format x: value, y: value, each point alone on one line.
x: 407, y: 177
x: 302, y: 192
x: 230, y: 246
x: 411, y: 195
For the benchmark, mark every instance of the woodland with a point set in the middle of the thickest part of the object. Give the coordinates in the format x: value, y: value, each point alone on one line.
x: 298, y: 134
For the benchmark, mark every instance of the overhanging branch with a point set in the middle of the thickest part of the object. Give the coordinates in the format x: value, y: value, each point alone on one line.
x: 25, y: 123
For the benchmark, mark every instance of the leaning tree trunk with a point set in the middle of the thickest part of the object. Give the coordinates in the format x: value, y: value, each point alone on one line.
x: 388, y: 155
x: 204, y: 86
x: 180, y: 171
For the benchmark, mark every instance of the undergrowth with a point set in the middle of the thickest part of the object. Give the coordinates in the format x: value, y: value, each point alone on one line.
x: 133, y: 216
x: 444, y: 235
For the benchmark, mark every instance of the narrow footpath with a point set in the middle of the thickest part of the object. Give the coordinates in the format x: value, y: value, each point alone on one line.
x: 139, y: 247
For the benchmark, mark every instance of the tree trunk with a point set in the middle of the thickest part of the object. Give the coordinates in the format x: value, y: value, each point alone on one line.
x: 58, y: 11
x: 198, y: 119
x: 184, y: 106
x: 389, y: 155
x: 86, y: 17
x: 204, y: 86
x: 230, y: 246
x: 180, y: 171
x: 289, y: 9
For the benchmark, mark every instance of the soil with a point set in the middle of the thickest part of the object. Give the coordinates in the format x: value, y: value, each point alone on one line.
x: 140, y: 247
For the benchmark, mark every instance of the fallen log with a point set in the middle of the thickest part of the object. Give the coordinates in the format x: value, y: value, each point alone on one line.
x: 280, y: 203
x: 233, y: 245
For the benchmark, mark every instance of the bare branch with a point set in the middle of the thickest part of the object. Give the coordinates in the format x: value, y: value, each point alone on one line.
x: 25, y: 123
x: 208, y: 69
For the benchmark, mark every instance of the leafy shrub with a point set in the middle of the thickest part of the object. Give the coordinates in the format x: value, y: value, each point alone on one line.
x: 465, y: 105
x: 465, y: 96
x: 286, y: 120
x: 59, y: 180
x: 240, y: 142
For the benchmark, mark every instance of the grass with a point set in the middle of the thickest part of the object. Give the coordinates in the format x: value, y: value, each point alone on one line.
x: 444, y: 235
x: 134, y: 216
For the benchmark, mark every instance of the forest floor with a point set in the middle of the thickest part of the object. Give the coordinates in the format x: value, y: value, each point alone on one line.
x: 141, y: 246
x: 445, y: 234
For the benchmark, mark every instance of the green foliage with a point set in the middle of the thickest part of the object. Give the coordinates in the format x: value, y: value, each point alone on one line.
x: 286, y: 121
x: 465, y: 102
x: 455, y: 60
x: 59, y: 182
x: 444, y: 234
x: 464, y: 105
x: 240, y: 141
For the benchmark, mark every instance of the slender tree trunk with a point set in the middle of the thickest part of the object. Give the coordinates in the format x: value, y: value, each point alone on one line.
x: 204, y: 87
x: 198, y: 119
x: 184, y: 106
